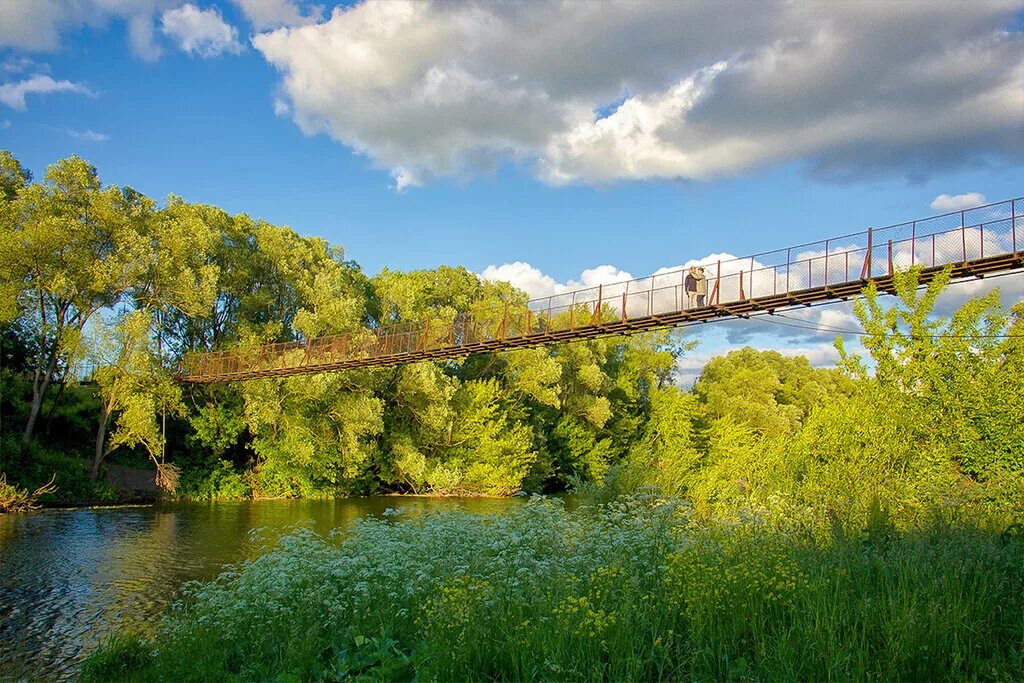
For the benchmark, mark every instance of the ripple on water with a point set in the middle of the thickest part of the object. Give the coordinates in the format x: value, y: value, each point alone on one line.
x: 70, y: 578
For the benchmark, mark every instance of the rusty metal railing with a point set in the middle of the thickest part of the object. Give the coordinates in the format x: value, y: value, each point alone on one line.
x: 982, y: 239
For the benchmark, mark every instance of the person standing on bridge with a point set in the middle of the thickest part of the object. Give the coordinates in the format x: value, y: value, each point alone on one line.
x: 702, y: 285
x: 690, y: 286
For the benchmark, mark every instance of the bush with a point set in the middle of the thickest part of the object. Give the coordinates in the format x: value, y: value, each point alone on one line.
x: 221, y: 482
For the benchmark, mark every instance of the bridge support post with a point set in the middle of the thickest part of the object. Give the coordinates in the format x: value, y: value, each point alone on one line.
x: 866, y: 270
x: 826, y: 263
x: 751, y: 277
x: 718, y: 280
x: 789, y: 266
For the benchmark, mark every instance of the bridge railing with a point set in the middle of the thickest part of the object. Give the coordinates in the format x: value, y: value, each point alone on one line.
x: 957, y: 237
x: 950, y: 238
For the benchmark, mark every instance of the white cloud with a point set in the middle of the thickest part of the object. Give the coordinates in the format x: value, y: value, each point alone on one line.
x: 538, y: 284
x: 690, y: 365
x: 820, y: 356
x: 38, y: 24
x: 957, y: 202
x: 429, y: 89
x: 29, y: 24
x: 87, y: 135
x: 601, y: 275
x: 140, y: 37
x: 200, y: 32
x: 17, y: 65
x: 266, y: 14
x: 281, y: 107
x: 404, y: 177
x: 1010, y: 286
x: 525, y: 277
x: 13, y: 94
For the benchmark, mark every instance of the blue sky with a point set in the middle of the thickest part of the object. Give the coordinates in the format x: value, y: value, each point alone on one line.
x: 420, y: 135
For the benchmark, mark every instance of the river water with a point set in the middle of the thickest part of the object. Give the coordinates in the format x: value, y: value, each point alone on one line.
x: 70, y: 578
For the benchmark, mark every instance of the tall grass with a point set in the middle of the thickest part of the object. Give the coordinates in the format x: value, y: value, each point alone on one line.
x: 631, y: 590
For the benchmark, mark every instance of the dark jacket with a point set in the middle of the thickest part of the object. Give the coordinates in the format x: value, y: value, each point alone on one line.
x: 690, y: 283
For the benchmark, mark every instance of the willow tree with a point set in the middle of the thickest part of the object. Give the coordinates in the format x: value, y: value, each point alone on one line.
x: 71, y: 251
x: 174, y: 278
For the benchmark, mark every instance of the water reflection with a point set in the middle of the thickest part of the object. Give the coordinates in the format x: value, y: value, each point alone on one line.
x: 69, y: 578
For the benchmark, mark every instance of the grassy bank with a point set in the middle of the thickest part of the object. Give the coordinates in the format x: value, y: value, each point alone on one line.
x: 632, y: 590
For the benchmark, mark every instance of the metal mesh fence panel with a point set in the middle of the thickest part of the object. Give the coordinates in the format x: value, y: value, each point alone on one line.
x: 955, y: 238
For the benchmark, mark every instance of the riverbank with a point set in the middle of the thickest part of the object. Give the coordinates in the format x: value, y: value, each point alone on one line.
x: 635, y: 590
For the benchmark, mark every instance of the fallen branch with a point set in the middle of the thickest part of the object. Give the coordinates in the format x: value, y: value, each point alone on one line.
x: 16, y: 499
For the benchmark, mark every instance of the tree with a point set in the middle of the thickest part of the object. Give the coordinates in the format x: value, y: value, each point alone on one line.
x: 764, y: 390
x: 124, y: 359
x: 14, y: 178
x: 957, y: 378
x: 73, y: 253
x: 136, y: 392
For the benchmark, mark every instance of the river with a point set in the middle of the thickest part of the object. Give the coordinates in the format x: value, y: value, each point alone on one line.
x: 70, y: 578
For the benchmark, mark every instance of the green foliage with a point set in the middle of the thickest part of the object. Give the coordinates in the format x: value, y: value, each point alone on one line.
x: 107, y: 276
x: 121, y: 659
x: 489, y: 448
x: 42, y: 464
x: 932, y: 432
x: 633, y: 590
x: 219, y: 482
x: 765, y: 390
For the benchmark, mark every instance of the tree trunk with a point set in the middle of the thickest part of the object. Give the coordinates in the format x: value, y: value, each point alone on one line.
x: 101, y: 442
x: 40, y: 383
x: 56, y: 402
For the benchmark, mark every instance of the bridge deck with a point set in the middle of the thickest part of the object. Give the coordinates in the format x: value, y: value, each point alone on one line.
x: 974, y: 243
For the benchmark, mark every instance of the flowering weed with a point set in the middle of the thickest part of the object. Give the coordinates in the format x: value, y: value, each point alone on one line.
x: 631, y: 590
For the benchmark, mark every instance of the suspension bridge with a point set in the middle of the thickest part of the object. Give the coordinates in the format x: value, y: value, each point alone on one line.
x: 973, y: 243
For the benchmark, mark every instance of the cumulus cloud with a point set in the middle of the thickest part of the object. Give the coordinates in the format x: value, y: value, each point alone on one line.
x: 38, y: 24
x: 525, y: 277
x: 87, y: 135
x: 404, y: 177
x: 429, y: 89
x: 267, y: 14
x: 1010, y: 287
x: 14, y: 94
x: 200, y: 32
x: 29, y: 24
x: 537, y: 284
x: 691, y: 364
x: 957, y: 202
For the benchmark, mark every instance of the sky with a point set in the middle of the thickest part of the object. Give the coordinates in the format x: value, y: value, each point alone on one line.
x: 547, y: 143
